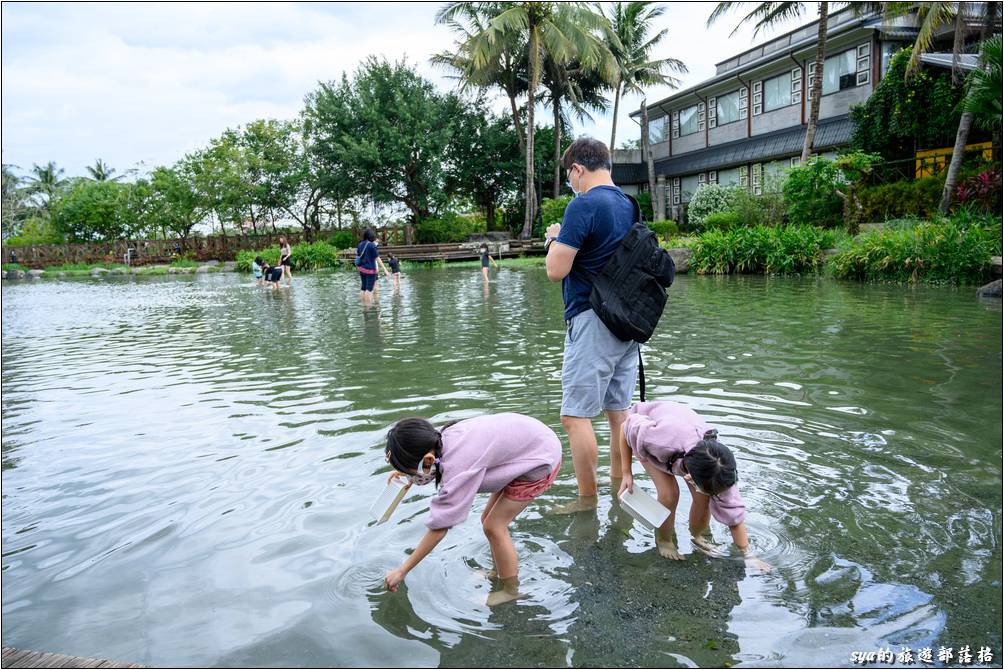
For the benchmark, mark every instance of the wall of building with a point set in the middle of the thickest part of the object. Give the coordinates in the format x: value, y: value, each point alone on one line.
x: 660, y: 150
x: 839, y: 103
x: 779, y: 119
x: 685, y: 143
x: 727, y: 133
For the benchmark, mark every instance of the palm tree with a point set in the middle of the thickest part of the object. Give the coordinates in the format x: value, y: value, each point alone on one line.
x: 583, y: 89
x: 631, y: 24
x: 562, y: 31
x: 767, y: 15
x: 45, y: 180
x: 100, y: 171
x: 985, y: 83
x: 507, y: 71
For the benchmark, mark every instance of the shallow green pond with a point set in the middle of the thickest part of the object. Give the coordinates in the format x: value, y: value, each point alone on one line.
x: 188, y: 463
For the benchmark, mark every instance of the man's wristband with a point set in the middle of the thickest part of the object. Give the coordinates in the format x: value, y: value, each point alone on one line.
x: 547, y: 242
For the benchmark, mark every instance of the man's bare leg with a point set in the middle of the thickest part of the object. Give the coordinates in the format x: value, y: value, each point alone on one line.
x: 582, y: 441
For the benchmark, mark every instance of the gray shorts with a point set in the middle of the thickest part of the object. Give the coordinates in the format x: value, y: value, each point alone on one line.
x: 598, y: 371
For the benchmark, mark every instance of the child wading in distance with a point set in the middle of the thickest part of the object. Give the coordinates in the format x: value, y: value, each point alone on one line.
x: 511, y: 456
x: 671, y: 441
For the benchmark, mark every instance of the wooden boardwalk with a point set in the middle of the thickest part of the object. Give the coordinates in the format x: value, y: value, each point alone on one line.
x: 456, y: 251
x: 20, y: 658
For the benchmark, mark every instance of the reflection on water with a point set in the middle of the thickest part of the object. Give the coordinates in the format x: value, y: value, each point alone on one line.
x: 187, y: 462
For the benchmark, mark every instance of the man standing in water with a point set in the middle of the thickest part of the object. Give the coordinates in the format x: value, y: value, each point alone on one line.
x: 599, y: 370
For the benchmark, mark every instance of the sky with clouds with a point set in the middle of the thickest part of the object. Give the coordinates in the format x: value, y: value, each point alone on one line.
x: 139, y: 85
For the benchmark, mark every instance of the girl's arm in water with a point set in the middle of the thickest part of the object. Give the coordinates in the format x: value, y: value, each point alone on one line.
x: 742, y: 543
x: 427, y: 544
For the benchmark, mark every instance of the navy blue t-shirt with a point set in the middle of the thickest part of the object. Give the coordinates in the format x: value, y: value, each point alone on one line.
x: 368, y: 252
x: 594, y: 223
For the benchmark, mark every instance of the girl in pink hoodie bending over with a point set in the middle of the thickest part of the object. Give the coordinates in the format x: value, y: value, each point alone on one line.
x: 511, y: 456
x: 671, y: 441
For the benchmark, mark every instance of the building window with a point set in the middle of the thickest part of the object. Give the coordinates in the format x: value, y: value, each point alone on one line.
x: 730, y: 177
x: 689, y: 186
x: 688, y: 121
x: 727, y: 108
x: 776, y: 92
x: 837, y: 67
x: 657, y: 130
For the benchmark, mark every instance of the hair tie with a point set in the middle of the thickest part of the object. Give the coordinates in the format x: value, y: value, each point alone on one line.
x: 711, y: 434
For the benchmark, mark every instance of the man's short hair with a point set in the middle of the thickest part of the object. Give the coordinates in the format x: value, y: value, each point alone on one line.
x: 589, y: 153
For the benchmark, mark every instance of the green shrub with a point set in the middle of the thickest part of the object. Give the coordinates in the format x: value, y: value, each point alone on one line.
x: 450, y: 228
x: 722, y: 221
x: 343, y: 239
x: 810, y: 194
x: 36, y: 230
x: 552, y: 210
x: 316, y: 256
x: 918, y: 198
x: 184, y: 262
x: 645, y: 205
x: 957, y: 250
x: 710, y: 199
x: 759, y: 210
x: 664, y: 229
x: 774, y: 250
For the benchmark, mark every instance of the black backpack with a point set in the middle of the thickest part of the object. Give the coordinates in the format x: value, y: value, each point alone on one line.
x: 629, y: 294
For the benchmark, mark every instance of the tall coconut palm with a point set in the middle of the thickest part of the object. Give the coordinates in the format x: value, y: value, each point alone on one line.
x: 985, y: 83
x: 101, y: 171
x: 631, y: 24
x: 562, y: 31
x: 767, y: 15
x: 582, y: 89
x: 45, y: 180
x: 505, y: 71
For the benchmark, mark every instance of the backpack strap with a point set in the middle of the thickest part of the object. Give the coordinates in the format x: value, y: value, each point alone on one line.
x: 641, y: 376
x: 637, y: 210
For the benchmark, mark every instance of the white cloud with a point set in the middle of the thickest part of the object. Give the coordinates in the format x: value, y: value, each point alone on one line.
x: 134, y: 83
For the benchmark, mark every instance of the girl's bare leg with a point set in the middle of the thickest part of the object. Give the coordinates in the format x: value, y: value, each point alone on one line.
x: 496, y: 527
x: 668, y: 494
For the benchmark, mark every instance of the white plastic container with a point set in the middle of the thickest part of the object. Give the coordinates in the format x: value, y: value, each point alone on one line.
x: 385, y: 505
x: 644, y: 508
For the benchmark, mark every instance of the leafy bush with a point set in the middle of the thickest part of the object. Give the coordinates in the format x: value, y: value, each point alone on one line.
x: 759, y: 210
x: 781, y: 250
x: 810, y: 193
x: 552, y: 210
x: 342, y: 239
x: 982, y: 190
x: 957, y: 249
x: 36, y: 230
x: 645, y: 204
x: 722, y: 221
x: 918, y: 198
x: 450, y: 228
x: 304, y: 256
x: 664, y: 229
x: 710, y: 199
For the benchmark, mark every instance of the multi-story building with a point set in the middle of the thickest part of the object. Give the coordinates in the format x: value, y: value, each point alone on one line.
x: 748, y: 122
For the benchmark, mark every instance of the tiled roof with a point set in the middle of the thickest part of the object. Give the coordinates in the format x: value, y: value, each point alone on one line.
x: 770, y: 146
x: 629, y: 173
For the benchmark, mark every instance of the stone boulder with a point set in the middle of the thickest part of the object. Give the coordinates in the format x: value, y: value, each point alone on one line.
x: 203, y: 269
x: 97, y: 272
x: 681, y: 257
x: 991, y: 290
x: 3, y: 274
x: 60, y: 274
x: 186, y: 271
x: 172, y: 271
x: 211, y: 263
x: 35, y: 274
x: 15, y: 274
x: 230, y: 266
x: 120, y: 271
x: 135, y: 270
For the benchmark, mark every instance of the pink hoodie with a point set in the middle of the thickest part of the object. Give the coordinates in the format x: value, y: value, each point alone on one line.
x: 485, y: 454
x: 657, y: 430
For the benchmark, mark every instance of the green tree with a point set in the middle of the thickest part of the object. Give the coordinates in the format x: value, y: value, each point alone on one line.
x: 983, y: 98
x: 766, y: 15
x: 632, y: 25
x: 44, y: 183
x: 561, y: 31
x: 483, y: 160
x: 506, y: 69
x: 101, y: 171
x: 176, y: 205
x: 387, y: 129
x: 92, y: 211
x: 904, y: 115
x: 17, y: 206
